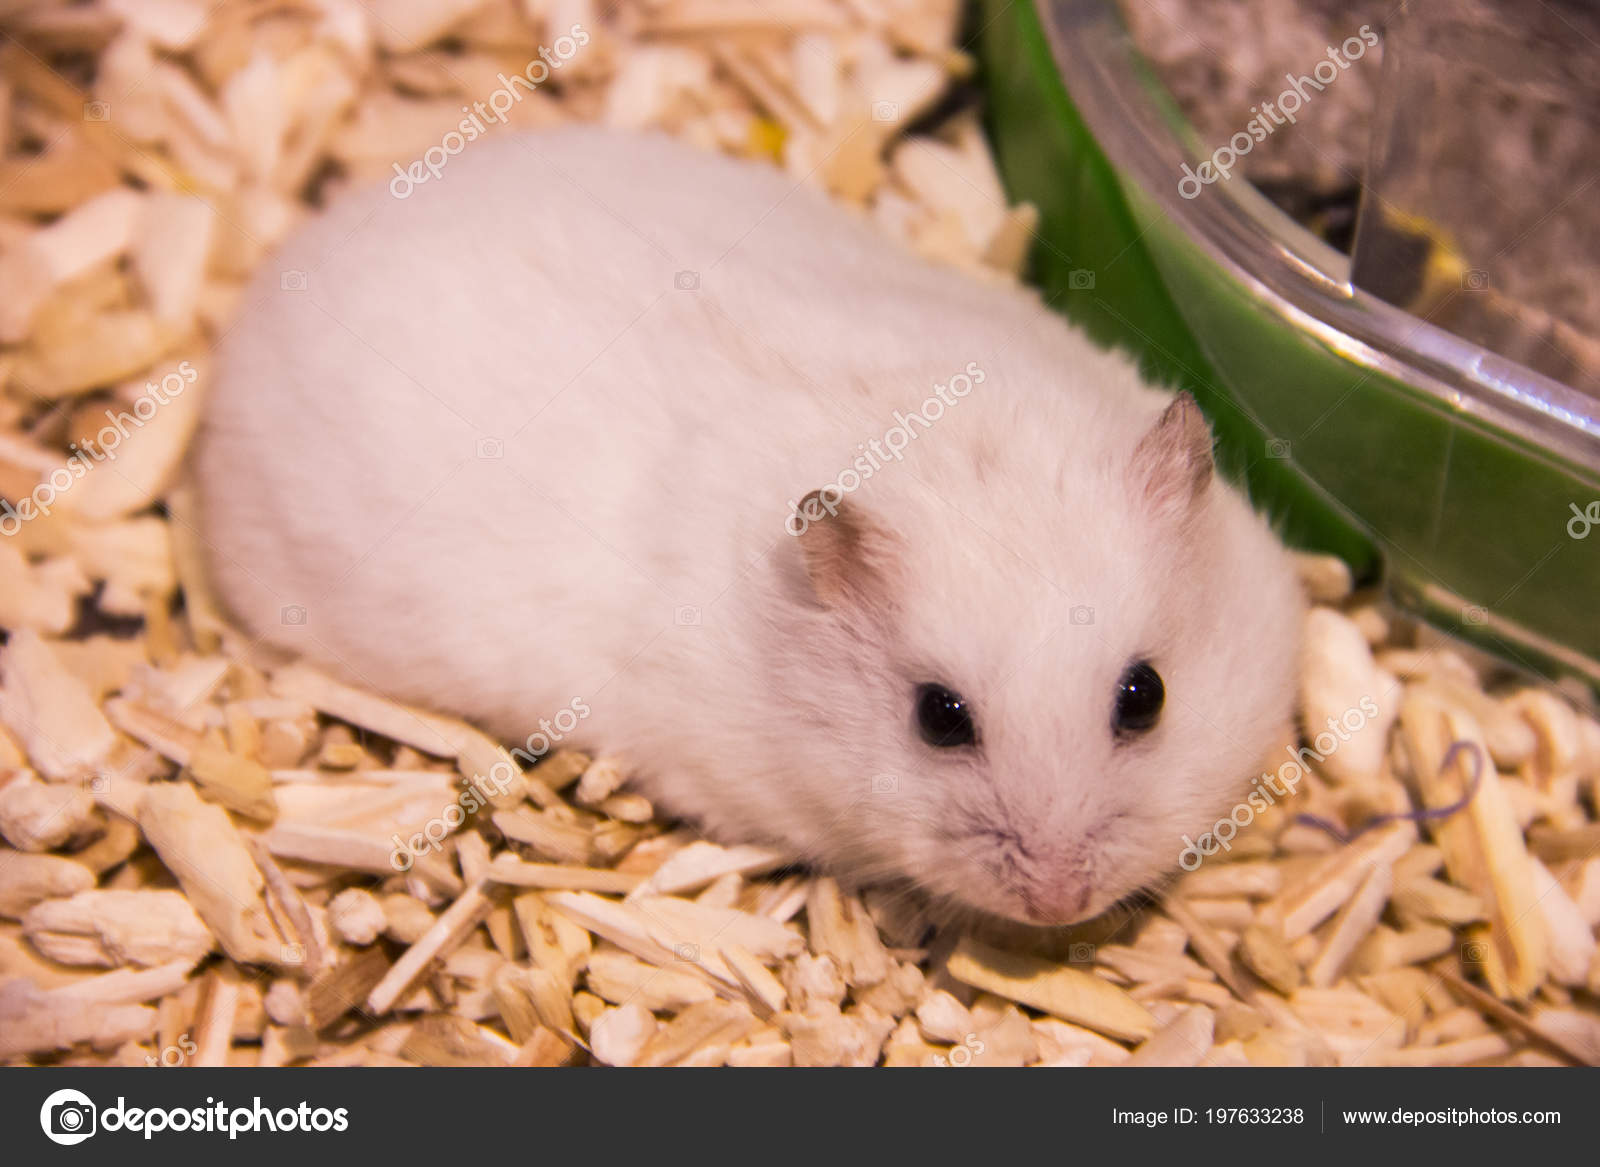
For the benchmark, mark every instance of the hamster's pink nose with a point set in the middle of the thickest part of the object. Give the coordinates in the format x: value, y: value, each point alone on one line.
x: 1058, y: 901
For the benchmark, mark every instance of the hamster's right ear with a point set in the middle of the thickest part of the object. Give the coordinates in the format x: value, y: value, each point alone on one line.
x: 849, y: 557
x: 1172, y: 464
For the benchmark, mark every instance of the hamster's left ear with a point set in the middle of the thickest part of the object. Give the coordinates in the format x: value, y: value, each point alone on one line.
x: 1172, y: 464
x: 849, y: 557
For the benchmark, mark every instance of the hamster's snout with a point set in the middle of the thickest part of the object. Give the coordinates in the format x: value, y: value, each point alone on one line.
x: 1060, y: 900
x: 1059, y: 885
x: 1045, y: 881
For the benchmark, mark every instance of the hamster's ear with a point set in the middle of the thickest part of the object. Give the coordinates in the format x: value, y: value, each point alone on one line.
x: 1172, y: 463
x: 849, y: 558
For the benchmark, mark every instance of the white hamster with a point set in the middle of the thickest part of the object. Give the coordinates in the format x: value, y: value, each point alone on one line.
x: 547, y: 429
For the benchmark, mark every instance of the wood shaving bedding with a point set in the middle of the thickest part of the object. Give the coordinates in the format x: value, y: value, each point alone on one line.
x: 204, y: 854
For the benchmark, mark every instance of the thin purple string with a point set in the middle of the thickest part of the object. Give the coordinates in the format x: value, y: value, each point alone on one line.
x: 1416, y: 816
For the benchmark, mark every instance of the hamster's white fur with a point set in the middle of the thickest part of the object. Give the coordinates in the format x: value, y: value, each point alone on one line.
x: 535, y: 433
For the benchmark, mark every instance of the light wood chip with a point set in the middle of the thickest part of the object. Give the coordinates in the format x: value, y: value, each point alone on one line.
x: 52, y: 713
x: 840, y: 927
x: 26, y: 879
x: 700, y: 1025
x: 344, y: 987
x: 450, y: 929
x: 1330, y: 884
x: 1067, y: 993
x: 1351, y: 926
x: 765, y: 992
x: 111, y: 928
x: 700, y: 863
x: 207, y: 854
x: 623, y: 979
x: 1184, y: 1041
x: 1482, y: 845
x: 618, y: 1036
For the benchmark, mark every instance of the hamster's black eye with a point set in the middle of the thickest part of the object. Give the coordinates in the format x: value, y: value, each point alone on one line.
x: 1140, y: 694
x: 944, y: 718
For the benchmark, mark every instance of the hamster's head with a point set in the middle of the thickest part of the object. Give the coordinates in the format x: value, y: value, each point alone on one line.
x: 1038, y: 672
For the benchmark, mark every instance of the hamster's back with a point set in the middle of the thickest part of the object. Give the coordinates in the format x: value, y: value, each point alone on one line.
x: 421, y: 392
